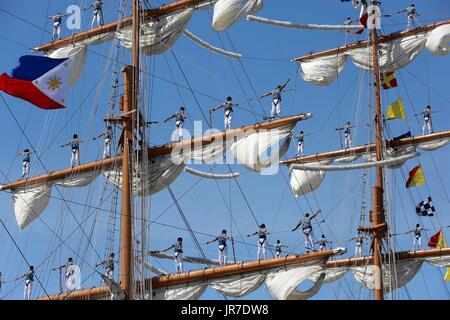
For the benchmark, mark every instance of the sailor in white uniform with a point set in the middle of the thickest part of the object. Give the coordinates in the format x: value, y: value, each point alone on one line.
x: 25, y: 162
x: 262, y: 240
x: 228, y: 112
x: 98, y: 13
x: 29, y: 278
x: 276, y: 99
x: 180, y: 117
x: 109, y: 264
x: 411, y: 13
x: 347, y: 136
x: 222, y: 249
x: 278, y: 248
x: 417, y: 240
x: 427, y: 123
x: 323, y: 243
x: 75, y: 147
x: 108, y: 134
x: 359, y: 241
x: 57, y: 20
x: 307, y: 229
x: 178, y: 254
x: 300, y: 143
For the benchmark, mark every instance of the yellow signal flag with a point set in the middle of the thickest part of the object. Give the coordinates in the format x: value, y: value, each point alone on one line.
x: 396, y: 110
x: 443, y: 244
x: 416, y: 177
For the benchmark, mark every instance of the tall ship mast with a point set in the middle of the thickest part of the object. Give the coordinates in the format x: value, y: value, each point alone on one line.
x: 138, y: 170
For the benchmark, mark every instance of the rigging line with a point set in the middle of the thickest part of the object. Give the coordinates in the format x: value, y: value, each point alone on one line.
x: 429, y: 87
x: 246, y: 74
x: 43, y: 165
x: 21, y: 253
x: 186, y: 222
x: 189, y: 85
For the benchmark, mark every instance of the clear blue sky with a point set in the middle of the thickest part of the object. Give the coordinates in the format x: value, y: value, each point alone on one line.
x: 267, y: 52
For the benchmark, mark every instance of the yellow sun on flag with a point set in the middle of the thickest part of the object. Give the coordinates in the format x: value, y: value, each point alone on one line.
x: 54, y: 83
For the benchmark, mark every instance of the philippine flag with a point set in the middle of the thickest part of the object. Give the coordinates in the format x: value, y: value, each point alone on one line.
x: 40, y: 80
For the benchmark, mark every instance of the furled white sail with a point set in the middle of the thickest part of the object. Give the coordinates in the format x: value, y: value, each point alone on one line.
x: 433, y: 145
x: 157, y: 35
x: 394, y: 276
x: 438, y: 41
x: 156, y: 176
x: 188, y: 291
x: 305, y: 181
x: 30, y: 202
x: 228, y: 12
x: 239, y: 285
x: 330, y: 274
x: 283, y: 283
x: 441, y: 261
x: 208, y: 46
x: 78, y: 180
x: 210, y: 175
x: 324, y: 70
x: 394, y: 55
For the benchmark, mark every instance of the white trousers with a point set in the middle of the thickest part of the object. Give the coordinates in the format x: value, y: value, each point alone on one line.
x: 358, y: 251
x: 179, y: 262
x: 27, y: 290
x: 75, y: 159
x: 348, y: 141
x: 25, y: 168
x: 276, y: 108
x: 300, y: 148
x: 262, y: 246
x: 417, y: 241
x: 427, y: 125
x: 411, y: 22
x: 227, y: 121
x: 109, y: 273
x: 309, y: 240
x: 107, y: 148
x: 179, y: 129
x: 98, y: 15
x: 277, y: 254
x: 56, y: 30
x: 321, y: 248
x: 222, y: 255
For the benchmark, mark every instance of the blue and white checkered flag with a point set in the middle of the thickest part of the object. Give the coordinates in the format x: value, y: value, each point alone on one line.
x: 426, y: 208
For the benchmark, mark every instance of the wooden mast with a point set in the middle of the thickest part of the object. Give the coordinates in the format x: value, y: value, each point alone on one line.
x: 378, y: 221
x: 130, y: 104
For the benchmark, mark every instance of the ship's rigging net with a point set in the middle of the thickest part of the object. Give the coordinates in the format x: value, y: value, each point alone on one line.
x: 394, y: 55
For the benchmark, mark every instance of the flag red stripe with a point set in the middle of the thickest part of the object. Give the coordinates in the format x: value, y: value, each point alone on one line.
x: 28, y: 91
x: 412, y: 173
x: 434, y: 240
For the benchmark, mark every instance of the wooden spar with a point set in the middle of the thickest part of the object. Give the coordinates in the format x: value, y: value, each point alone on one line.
x: 152, y: 152
x: 64, y: 173
x: 223, y: 135
x: 377, y: 190
x: 111, y: 27
x: 403, y: 255
x: 361, y: 44
x: 357, y: 151
x: 104, y: 292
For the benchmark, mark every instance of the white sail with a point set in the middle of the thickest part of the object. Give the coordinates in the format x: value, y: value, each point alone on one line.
x: 394, y: 55
x: 305, y: 181
x: 228, y: 12
x: 239, y: 285
x: 182, y: 292
x: 30, y: 202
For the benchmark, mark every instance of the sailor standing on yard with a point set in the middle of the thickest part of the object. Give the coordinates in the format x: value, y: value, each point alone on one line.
x: 178, y: 254
x: 107, y: 142
x: 180, y: 116
x: 276, y: 99
x: 323, y: 242
x: 222, y: 239
x: 109, y: 264
x: 348, y: 139
x: 278, y: 246
x: 262, y: 240
x: 305, y: 223
x: 29, y: 278
x: 301, y: 140
x: 359, y: 241
x: 98, y: 13
x: 57, y: 20
x: 417, y: 240
x: 228, y: 114
x: 25, y: 162
x: 75, y: 146
x: 411, y: 13
x: 427, y: 123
